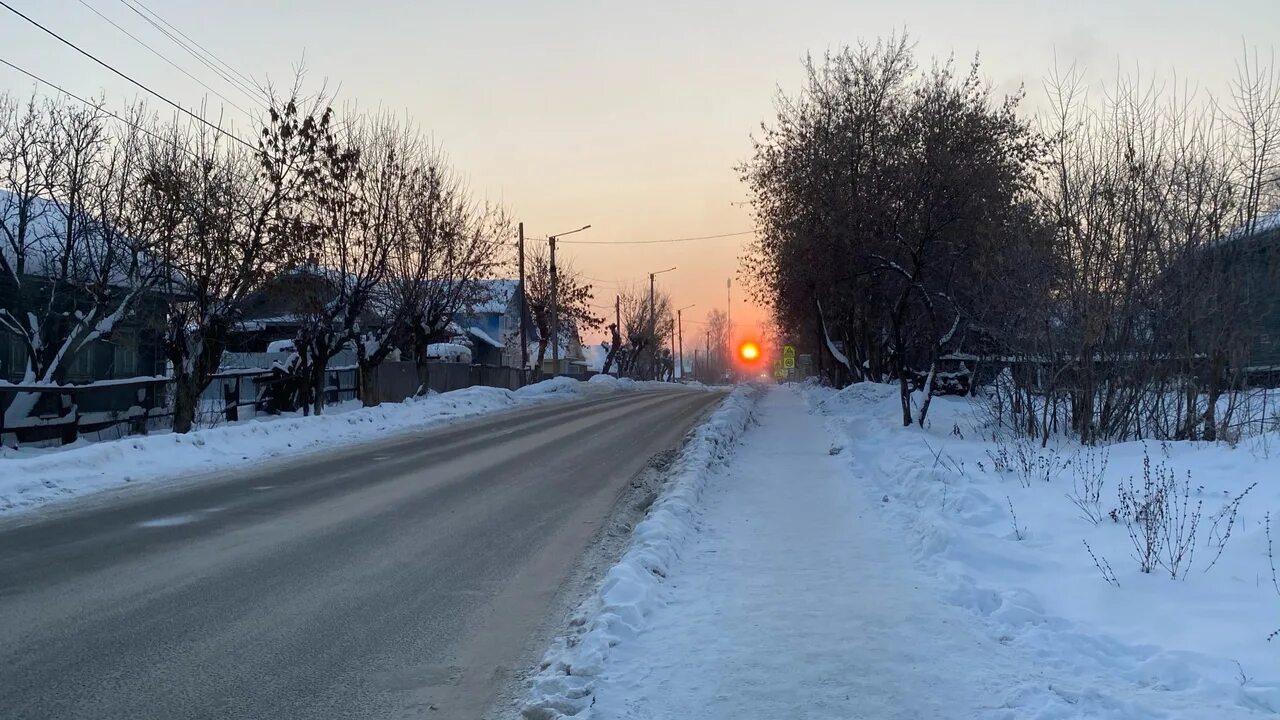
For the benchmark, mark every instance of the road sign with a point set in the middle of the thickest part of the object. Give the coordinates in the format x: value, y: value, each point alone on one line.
x: 780, y: 374
x: 789, y: 363
x: 789, y: 351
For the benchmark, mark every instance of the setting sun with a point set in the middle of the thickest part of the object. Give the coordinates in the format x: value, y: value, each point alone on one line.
x: 749, y: 351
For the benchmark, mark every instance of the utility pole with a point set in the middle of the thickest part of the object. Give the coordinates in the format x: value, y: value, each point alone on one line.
x: 555, y: 313
x: 524, y: 312
x: 709, y: 365
x: 680, y: 334
x: 653, y: 323
x: 653, y: 330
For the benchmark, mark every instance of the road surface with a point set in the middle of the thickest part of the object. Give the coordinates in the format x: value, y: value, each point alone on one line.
x: 402, y: 579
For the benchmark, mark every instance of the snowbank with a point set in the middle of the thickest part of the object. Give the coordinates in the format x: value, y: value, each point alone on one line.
x: 997, y: 522
x: 33, y: 477
x: 629, y: 591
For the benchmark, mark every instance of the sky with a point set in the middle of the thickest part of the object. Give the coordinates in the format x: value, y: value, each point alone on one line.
x: 630, y: 117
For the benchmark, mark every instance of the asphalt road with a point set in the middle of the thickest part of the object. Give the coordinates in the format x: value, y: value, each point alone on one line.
x: 401, y: 579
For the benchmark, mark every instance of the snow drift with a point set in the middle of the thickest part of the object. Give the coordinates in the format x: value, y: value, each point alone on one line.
x: 629, y: 591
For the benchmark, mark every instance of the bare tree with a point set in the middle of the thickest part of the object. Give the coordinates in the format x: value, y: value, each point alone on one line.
x: 78, y: 254
x: 573, y: 300
x: 243, y: 222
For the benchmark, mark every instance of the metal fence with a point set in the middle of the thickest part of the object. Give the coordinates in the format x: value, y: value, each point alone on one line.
x: 115, y: 408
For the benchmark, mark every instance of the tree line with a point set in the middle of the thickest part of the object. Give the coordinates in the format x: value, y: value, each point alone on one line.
x: 104, y: 212
x: 1100, y: 259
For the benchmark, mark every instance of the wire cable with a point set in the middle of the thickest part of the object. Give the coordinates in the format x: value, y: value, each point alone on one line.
x: 655, y: 242
x: 248, y: 90
x: 247, y: 80
x: 96, y: 106
x: 160, y: 55
x: 94, y: 58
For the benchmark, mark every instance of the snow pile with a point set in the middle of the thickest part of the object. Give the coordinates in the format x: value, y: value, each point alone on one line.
x: 1035, y: 543
x: 31, y: 477
x: 629, y: 592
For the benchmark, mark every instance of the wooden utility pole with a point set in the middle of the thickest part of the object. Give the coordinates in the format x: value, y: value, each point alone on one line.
x: 653, y: 330
x: 680, y: 334
x: 524, y: 312
x: 555, y: 313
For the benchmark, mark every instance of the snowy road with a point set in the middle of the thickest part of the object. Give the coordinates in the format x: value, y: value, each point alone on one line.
x: 401, y: 579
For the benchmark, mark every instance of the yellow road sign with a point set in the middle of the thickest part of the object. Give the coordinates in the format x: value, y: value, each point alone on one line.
x: 789, y: 351
x: 788, y: 363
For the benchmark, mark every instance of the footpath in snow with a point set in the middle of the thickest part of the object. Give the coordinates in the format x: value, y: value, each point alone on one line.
x: 792, y: 589
x: 34, y: 477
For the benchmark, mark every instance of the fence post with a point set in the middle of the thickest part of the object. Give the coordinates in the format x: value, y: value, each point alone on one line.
x: 70, y: 431
x: 231, y: 398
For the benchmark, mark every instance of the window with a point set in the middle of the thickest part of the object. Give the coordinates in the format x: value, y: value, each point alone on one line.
x: 124, y: 359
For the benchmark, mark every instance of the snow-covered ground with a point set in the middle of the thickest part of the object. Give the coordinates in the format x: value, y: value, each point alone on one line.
x: 632, y: 589
x: 839, y: 566
x: 34, y: 477
x: 1192, y: 647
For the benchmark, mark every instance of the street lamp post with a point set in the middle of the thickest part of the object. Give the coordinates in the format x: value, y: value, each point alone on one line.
x: 555, y: 305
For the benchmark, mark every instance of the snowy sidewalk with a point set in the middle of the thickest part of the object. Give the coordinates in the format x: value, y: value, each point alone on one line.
x: 794, y: 601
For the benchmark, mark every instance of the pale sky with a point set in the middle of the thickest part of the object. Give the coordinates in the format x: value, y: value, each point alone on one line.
x: 628, y: 116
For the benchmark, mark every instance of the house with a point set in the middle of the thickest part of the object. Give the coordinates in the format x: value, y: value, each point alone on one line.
x: 573, y: 358
x: 492, y: 323
x: 132, y: 347
x: 1262, y: 276
x: 278, y: 310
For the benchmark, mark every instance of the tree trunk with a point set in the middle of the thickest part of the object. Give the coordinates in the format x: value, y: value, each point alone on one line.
x: 189, y: 385
x: 424, y: 374
x: 369, y: 389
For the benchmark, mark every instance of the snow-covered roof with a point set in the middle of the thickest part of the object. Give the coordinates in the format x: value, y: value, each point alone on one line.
x: 43, y: 243
x: 483, y: 336
x: 493, y: 296
x: 449, y: 352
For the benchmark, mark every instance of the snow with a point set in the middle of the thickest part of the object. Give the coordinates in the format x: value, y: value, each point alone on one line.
x: 493, y: 296
x: 631, y: 589
x: 34, y: 477
x: 483, y: 336
x: 1170, y: 646
x: 449, y: 352
x: 595, y: 355
x: 838, y: 567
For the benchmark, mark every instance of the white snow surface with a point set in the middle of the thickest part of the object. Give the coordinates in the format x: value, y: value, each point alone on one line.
x: 631, y: 590
x: 833, y: 568
x: 31, y: 478
x: 449, y: 352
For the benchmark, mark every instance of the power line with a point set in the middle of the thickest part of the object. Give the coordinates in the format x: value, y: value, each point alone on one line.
x: 98, y: 107
x: 248, y: 81
x: 248, y: 90
x: 160, y: 55
x: 94, y: 58
x: 655, y: 242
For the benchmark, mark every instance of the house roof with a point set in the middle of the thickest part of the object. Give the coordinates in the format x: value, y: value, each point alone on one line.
x: 484, y: 337
x: 493, y: 296
x: 44, y: 242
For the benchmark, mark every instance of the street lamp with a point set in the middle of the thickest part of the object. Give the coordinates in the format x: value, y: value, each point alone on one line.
x: 680, y: 334
x: 555, y: 307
